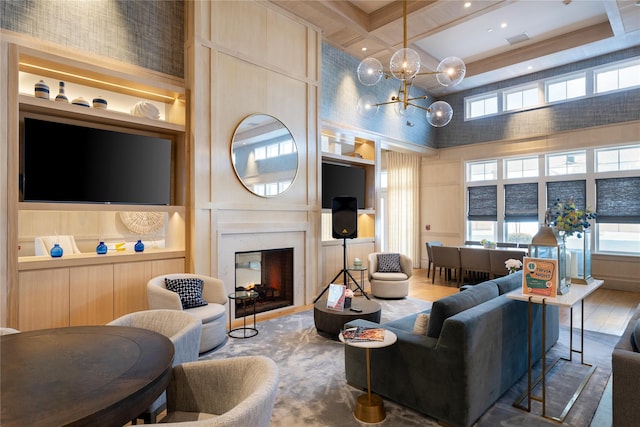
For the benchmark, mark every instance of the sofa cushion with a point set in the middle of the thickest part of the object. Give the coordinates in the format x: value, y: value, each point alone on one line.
x: 446, y: 307
x: 635, y: 336
x: 509, y: 282
x: 421, y: 324
x: 389, y: 263
x: 189, y: 289
x: 389, y: 276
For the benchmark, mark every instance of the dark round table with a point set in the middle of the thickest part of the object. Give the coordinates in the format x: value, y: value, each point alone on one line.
x: 330, y: 322
x: 84, y: 375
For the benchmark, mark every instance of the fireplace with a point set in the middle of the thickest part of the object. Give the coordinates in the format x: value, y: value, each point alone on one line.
x: 267, y: 272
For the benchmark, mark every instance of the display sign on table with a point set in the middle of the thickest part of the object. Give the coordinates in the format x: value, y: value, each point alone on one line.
x: 540, y: 276
x: 335, y: 300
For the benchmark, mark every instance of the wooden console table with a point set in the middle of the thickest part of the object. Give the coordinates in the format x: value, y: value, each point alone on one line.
x: 577, y: 293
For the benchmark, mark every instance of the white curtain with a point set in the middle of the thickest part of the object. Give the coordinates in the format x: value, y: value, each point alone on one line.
x: 403, y: 193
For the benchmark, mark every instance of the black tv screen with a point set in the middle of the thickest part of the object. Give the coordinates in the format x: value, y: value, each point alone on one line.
x: 339, y: 180
x: 68, y: 163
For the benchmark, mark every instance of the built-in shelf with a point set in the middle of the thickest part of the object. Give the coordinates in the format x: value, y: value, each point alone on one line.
x: 347, y: 159
x: 114, y: 118
x: 75, y: 260
x: 37, y: 206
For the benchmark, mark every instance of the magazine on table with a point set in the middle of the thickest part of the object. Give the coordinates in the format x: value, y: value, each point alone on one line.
x: 362, y: 333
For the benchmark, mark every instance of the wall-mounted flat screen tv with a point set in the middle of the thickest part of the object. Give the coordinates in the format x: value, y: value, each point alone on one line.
x: 339, y: 180
x: 69, y: 163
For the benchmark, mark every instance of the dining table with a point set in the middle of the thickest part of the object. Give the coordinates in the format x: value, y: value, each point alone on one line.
x: 81, y: 375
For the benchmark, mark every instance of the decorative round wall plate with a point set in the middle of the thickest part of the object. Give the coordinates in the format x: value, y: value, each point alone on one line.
x: 143, y: 222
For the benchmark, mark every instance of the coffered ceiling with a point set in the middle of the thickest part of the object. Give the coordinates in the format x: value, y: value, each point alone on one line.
x: 497, y: 39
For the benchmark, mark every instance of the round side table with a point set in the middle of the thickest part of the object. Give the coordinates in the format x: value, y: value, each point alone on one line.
x: 370, y: 407
x: 246, y: 298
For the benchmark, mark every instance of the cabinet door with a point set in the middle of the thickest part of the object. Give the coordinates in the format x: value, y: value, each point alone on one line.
x: 130, y: 287
x: 43, y: 299
x: 91, y: 295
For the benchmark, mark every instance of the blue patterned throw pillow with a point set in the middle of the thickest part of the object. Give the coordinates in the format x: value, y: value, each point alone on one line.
x: 189, y: 289
x: 389, y: 263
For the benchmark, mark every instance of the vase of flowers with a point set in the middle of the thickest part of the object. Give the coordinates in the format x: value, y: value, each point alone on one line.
x: 568, y: 220
x: 513, y: 265
x: 348, y: 294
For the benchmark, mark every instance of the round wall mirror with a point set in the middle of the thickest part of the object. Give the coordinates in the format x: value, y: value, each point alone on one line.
x: 264, y: 155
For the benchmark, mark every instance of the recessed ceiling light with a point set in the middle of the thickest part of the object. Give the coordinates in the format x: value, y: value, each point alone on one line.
x: 490, y: 30
x: 467, y: 4
x: 503, y: 25
x: 529, y: 67
x: 364, y: 49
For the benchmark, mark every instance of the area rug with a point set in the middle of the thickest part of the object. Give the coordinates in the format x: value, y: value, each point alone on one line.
x: 313, y: 390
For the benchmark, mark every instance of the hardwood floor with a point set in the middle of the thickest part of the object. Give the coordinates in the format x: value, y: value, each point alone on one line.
x: 606, y: 311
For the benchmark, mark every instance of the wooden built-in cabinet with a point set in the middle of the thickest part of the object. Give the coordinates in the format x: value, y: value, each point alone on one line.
x: 87, y: 294
x: 86, y: 289
x: 342, y: 148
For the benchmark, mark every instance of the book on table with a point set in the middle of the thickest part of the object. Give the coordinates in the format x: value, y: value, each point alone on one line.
x: 363, y: 333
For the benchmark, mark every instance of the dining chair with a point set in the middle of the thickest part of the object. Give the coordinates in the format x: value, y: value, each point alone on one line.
x: 497, y: 258
x: 430, y: 255
x: 474, y: 262
x: 447, y: 257
x: 236, y: 391
x: 181, y: 328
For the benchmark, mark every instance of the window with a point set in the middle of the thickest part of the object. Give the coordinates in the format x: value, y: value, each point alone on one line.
x: 521, y: 98
x: 564, y: 190
x: 621, y: 77
x: 482, y: 171
x: 618, y: 159
x: 520, y: 210
x: 482, y: 212
x: 567, y: 88
x: 566, y: 163
x: 260, y: 153
x: 521, y: 168
x: 618, y: 210
x: 481, y: 106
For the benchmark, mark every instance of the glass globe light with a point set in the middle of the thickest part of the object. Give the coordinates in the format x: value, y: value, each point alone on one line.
x: 405, y: 64
x: 402, y: 110
x: 367, y: 106
x: 369, y: 71
x: 439, y: 114
x: 450, y: 71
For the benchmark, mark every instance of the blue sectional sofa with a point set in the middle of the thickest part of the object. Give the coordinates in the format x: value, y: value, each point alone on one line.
x: 475, y: 349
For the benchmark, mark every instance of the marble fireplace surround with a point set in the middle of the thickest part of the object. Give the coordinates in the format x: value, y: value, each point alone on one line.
x: 234, y: 241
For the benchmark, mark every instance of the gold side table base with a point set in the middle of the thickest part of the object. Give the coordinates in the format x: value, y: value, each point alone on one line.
x: 369, y: 409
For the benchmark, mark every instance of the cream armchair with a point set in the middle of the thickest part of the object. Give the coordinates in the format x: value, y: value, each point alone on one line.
x: 393, y: 284
x: 212, y: 315
x: 181, y: 328
x: 238, y: 391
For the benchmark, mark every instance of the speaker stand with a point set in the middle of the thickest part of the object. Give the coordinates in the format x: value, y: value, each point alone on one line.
x: 344, y: 272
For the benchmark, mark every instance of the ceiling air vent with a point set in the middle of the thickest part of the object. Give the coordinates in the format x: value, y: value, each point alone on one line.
x: 518, y: 38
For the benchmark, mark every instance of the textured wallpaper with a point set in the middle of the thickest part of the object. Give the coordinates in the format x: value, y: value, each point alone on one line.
x: 147, y: 33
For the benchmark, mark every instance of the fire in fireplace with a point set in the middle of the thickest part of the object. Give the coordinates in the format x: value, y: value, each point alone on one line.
x: 269, y: 273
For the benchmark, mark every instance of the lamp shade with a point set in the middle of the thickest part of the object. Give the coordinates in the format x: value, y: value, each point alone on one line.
x: 367, y: 106
x: 405, y: 64
x: 451, y: 71
x: 369, y: 71
x: 439, y: 114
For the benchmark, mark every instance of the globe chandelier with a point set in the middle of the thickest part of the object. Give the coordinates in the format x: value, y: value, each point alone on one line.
x: 405, y: 66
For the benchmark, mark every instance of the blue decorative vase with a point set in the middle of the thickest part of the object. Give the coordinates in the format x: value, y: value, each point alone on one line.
x: 139, y: 247
x: 61, y: 97
x: 101, y: 249
x: 41, y: 90
x: 56, y: 251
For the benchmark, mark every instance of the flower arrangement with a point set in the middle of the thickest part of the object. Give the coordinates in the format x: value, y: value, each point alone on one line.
x: 513, y: 265
x: 568, y: 220
x: 348, y: 293
x: 488, y: 244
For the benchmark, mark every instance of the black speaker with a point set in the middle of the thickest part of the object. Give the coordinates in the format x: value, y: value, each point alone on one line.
x: 344, y: 217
